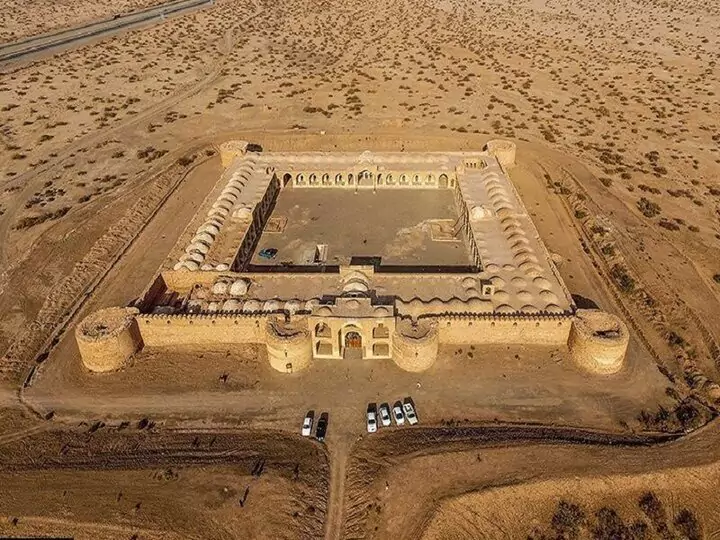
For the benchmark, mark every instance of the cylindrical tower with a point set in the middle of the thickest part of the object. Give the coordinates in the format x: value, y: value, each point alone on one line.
x: 598, y: 341
x: 503, y: 150
x: 415, y: 344
x: 229, y: 150
x: 107, y: 338
x: 289, y: 346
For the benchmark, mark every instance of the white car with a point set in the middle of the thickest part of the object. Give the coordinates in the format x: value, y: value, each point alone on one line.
x: 371, y: 422
x: 398, y: 415
x: 410, y: 413
x: 307, y: 426
x: 385, y: 416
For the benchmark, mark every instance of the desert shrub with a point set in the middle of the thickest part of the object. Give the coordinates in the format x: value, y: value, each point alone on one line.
x: 610, y: 526
x: 688, y: 415
x: 653, y: 508
x: 648, y: 208
x: 669, y: 225
x: 31, y: 221
x: 716, y: 278
x: 580, y: 214
x: 184, y: 161
x: 624, y: 280
x: 567, y: 520
x: 606, y: 181
x: 688, y: 525
x: 643, y: 187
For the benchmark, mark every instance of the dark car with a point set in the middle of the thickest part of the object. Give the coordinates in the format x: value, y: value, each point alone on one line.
x: 268, y: 253
x: 321, y: 427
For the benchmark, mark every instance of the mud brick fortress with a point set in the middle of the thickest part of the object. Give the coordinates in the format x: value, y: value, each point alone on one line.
x: 411, y: 251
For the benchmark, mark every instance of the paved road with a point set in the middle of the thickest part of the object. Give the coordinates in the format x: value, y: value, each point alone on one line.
x: 27, y: 49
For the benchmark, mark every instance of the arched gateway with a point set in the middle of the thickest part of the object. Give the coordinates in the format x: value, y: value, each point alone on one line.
x: 352, y: 345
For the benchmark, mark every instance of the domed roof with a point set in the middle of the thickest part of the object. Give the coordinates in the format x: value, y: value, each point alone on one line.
x: 525, y: 296
x: 203, y: 237
x: 243, y: 213
x: 472, y: 293
x: 479, y: 212
x: 500, y: 296
x: 324, y: 311
x: 504, y: 308
x: 239, y: 287
x: 222, y: 267
x: 381, y: 311
x: 355, y: 285
x: 209, y: 228
x: 272, y: 305
x: 231, y: 305
x: 251, y: 306
x: 198, y: 247
x: 220, y: 287
x: 529, y: 309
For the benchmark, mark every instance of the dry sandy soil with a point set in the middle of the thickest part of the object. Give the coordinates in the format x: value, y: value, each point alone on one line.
x: 615, y: 110
x: 20, y: 20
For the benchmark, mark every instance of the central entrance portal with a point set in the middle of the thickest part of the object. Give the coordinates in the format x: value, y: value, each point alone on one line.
x: 353, y: 346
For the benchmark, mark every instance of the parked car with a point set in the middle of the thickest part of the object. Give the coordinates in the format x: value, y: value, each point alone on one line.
x: 398, y: 414
x: 307, y: 424
x: 268, y: 253
x: 371, y: 421
x: 385, y: 415
x: 410, y: 413
x: 321, y: 429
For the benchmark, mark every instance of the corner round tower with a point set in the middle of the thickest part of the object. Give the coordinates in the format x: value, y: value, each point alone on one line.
x: 598, y: 341
x: 229, y: 150
x: 108, y: 338
x: 289, y: 346
x: 415, y: 344
x: 503, y: 150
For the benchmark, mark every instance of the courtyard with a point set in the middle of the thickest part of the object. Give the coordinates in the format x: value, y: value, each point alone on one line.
x: 401, y: 227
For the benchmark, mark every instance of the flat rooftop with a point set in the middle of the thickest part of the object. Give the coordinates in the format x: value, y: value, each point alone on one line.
x: 402, y: 228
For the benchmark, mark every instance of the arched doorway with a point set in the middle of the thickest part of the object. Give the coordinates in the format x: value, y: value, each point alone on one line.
x: 352, y: 344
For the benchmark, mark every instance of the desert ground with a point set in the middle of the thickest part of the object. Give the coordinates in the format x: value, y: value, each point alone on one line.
x: 108, y: 148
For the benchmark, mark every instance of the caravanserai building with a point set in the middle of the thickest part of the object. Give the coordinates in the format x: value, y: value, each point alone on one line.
x: 381, y: 256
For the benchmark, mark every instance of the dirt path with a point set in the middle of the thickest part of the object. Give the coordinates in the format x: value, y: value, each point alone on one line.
x: 336, y: 498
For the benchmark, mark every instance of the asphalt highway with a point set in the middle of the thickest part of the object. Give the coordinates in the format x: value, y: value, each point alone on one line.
x: 36, y: 46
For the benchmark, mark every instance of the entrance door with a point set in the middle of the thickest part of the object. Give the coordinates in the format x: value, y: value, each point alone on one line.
x: 353, y: 345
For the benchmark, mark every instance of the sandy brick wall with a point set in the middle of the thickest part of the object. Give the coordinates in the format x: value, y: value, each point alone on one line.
x: 501, y: 330
x: 174, y: 330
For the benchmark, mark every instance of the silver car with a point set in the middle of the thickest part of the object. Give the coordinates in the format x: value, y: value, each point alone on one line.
x: 385, y: 415
x: 371, y: 422
x: 307, y: 425
x: 398, y: 414
x: 410, y: 413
